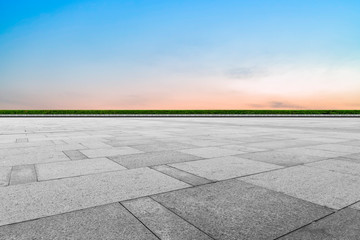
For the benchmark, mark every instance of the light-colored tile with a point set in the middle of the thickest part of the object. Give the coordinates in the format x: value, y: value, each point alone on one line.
x: 30, y: 201
x: 4, y: 176
x: 161, y: 221
x: 337, y: 166
x: 224, y: 167
x: 323, y: 187
x: 111, y: 222
x: 23, y: 174
x: 65, y: 169
x: 210, y: 152
x: 108, y: 152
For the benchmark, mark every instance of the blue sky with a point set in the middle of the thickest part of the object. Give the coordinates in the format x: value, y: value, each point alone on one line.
x: 179, y: 54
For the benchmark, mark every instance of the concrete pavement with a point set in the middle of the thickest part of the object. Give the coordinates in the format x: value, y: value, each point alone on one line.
x: 179, y: 178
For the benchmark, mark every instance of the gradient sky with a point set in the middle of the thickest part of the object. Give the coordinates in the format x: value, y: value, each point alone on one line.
x: 180, y: 54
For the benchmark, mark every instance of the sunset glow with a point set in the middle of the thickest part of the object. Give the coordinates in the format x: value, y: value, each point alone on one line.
x: 180, y: 54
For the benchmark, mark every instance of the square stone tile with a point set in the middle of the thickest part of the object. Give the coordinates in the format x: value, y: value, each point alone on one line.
x: 75, y: 155
x: 281, y: 158
x: 210, y: 152
x: 344, y: 224
x: 103, y: 222
x: 153, y: 158
x: 47, y: 171
x: 23, y: 174
x: 108, y: 152
x: 224, y: 167
x: 238, y: 210
x: 32, y: 157
x: 30, y: 201
x: 323, y: 187
x: 337, y: 166
x: 164, y: 223
x: 4, y: 176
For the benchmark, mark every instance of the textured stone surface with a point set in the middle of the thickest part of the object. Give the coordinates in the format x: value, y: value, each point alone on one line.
x: 47, y: 171
x: 337, y: 166
x: 163, y: 146
x: 281, y: 158
x: 97, y: 153
x: 23, y: 174
x: 103, y: 222
x: 153, y: 158
x: 34, y: 200
x: 344, y: 224
x: 338, y: 148
x: 224, y: 167
x: 181, y: 175
x: 210, y: 152
x: 264, y: 216
x: 164, y: 223
x: 4, y: 176
x: 238, y: 210
x: 75, y: 155
x: 331, y: 189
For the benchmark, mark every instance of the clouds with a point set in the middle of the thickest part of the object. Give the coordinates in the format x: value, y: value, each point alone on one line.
x: 245, y: 73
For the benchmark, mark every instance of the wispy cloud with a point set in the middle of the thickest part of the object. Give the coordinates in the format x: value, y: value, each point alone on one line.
x: 245, y: 73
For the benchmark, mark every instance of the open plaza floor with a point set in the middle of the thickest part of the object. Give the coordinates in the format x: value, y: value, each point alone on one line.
x: 179, y: 178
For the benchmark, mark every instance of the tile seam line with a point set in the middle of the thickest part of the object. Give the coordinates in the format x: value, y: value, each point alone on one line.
x: 210, y: 181
x: 139, y: 220
x: 189, y: 187
x: 207, y: 234
x: 171, y: 176
x: 319, y: 219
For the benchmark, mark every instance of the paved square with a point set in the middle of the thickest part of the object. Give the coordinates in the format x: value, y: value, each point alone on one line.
x: 179, y: 178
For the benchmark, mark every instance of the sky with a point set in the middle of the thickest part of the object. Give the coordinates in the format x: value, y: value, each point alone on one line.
x: 180, y: 54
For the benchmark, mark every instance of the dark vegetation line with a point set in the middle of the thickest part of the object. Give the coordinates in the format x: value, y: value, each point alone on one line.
x: 179, y: 111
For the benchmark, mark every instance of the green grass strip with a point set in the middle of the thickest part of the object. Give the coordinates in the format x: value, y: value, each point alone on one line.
x: 179, y: 111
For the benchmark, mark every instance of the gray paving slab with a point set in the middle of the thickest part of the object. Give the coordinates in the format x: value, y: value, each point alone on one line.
x: 281, y: 158
x: 131, y: 142
x: 210, y: 152
x: 22, y: 140
x: 153, y: 158
x: 242, y: 148
x: 162, y: 146
x: 181, y: 175
x: 323, y: 187
x: 23, y: 174
x: 48, y: 171
x: 353, y: 157
x: 355, y: 206
x: 41, y: 199
x: 162, y: 222
x: 238, y: 210
x: 75, y: 155
x: 108, y: 152
x: 32, y: 158
x: 313, y: 152
x: 224, y: 167
x: 279, y: 144
x: 4, y: 176
x: 344, y: 224
x: 337, y: 166
x: 103, y: 222
x: 338, y: 148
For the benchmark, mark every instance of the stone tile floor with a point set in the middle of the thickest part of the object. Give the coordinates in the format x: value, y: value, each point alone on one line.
x: 179, y: 178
